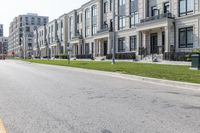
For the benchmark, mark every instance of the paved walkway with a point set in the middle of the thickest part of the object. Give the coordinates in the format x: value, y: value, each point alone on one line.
x: 143, y: 61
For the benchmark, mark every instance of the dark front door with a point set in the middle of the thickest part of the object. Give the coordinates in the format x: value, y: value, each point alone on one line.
x: 154, y: 43
x: 163, y: 42
x: 105, y: 47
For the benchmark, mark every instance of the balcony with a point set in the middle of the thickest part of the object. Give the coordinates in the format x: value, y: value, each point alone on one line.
x: 157, y: 17
x: 103, y: 29
x: 77, y: 37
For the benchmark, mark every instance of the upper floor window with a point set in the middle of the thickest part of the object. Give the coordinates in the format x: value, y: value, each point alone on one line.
x: 87, y: 23
x: 94, y: 20
x: 94, y: 11
x: 134, y: 13
x: 121, y: 2
x: 186, y: 7
x: 87, y: 14
x: 61, y: 24
x: 111, y: 5
x: 105, y: 6
x: 122, y: 21
x: 71, y: 27
x: 77, y: 19
x: 154, y: 11
x: 166, y: 7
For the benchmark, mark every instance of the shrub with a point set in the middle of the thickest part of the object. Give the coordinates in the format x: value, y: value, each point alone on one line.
x: 63, y: 56
x: 122, y: 56
x: 56, y: 56
x: 196, y: 51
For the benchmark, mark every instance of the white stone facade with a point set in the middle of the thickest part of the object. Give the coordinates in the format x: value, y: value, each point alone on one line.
x: 142, y: 28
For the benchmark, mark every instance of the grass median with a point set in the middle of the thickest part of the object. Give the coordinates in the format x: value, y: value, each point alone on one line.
x: 168, y: 72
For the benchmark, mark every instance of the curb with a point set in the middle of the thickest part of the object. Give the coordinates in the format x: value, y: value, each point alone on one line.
x: 169, y: 83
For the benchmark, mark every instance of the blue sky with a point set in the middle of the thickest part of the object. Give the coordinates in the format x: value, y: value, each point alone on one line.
x: 52, y: 8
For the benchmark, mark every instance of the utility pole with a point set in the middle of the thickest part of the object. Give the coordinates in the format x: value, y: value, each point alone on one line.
x: 24, y: 45
x: 113, y: 45
x: 2, y: 50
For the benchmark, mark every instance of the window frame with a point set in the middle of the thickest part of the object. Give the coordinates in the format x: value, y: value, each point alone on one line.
x: 121, y: 44
x: 186, y: 30
x: 186, y: 12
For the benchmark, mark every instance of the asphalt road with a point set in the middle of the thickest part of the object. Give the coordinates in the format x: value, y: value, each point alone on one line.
x: 49, y: 99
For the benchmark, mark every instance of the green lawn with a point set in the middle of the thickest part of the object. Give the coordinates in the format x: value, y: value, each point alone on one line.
x: 169, y: 72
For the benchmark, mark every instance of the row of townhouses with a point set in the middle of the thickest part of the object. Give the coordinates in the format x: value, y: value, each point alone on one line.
x: 167, y: 28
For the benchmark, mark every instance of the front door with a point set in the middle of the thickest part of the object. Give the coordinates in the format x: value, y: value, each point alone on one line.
x: 163, y: 42
x: 154, y: 43
x: 105, y: 47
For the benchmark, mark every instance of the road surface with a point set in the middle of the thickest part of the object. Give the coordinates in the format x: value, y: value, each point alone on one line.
x: 51, y: 99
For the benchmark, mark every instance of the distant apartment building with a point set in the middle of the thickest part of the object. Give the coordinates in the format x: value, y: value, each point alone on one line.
x: 21, y: 33
x: 3, y: 45
x: 1, y: 30
x: 143, y: 28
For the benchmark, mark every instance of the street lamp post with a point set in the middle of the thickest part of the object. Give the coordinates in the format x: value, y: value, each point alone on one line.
x: 2, y: 49
x: 68, y: 51
x: 113, y: 47
x: 24, y: 45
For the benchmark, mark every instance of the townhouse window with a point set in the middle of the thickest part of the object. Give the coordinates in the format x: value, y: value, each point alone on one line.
x: 154, y: 11
x: 166, y: 7
x: 186, y: 37
x: 121, y: 2
x: 94, y: 29
x: 111, y: 5
x: 61, y: 24
x: 94, y: 20
x: 121, y: 44
x: 105, y: 6
x: 77, y: 19
x: 134, y: 19
x: 81, y: 17
x: 52, y: 28
x: 186, y: 7
x: 133, y: 43
x: 87, y: 23
x: 134, y: 13
x: 121, y: 12
x: 122, y: 21
x: 71, y: 27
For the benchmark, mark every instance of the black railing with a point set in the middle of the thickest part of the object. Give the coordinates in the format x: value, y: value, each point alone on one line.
x: 157, y: 17
x: 77, y: 37
x: 103, y: 29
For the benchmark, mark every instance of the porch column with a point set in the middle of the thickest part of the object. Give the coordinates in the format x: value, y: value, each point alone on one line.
x: 167, y: 47
x: 144, y: 39
x: 138, y: 42
x: 93, y: 48
x: 99, y: 48
x: 109, y: 46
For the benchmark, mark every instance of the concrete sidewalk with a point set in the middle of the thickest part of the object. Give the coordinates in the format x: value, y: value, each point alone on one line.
x: 164, y: 62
